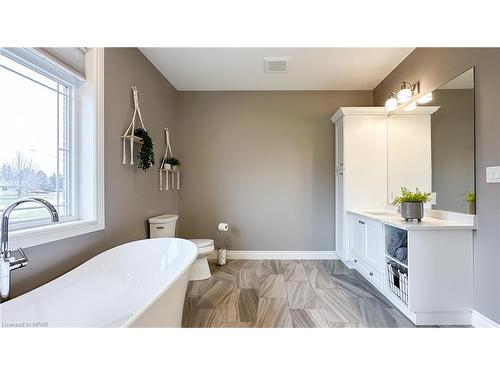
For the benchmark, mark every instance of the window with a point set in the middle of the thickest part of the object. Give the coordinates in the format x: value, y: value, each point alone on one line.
x: 52, y: 142
x: 36, y: 150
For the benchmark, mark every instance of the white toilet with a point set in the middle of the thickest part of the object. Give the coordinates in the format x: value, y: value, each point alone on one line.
x: 164, y: 226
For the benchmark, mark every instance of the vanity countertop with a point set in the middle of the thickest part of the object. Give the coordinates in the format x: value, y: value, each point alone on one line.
x: 427, y: 223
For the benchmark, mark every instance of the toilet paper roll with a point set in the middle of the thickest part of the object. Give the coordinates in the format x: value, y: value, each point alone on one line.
x: 223, y: 227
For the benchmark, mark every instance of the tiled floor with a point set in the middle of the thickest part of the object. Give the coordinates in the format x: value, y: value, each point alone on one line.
x: 276, y: 293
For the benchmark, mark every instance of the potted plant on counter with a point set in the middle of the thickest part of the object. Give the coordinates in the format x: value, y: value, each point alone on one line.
x: 411, y: 204
x: 470, y: 198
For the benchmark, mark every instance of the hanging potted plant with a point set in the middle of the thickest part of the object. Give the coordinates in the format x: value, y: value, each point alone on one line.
x: 411, y: 204
x: 470, y: 198
x: 172, y: 163
x: 146, y: 155
x: 165, y: 164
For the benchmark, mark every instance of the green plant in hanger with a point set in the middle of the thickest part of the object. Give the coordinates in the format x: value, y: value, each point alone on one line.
x: 146, y: 155
x: 173, y: 161
x: 470, y: 197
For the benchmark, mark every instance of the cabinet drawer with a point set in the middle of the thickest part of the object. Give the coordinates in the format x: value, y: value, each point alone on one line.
x: 368, y: 272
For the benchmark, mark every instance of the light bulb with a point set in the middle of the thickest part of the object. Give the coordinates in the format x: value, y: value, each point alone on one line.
x: 410, y: 107
x: 404, y: 95
x: 425, y: 99
x: 391, y: 104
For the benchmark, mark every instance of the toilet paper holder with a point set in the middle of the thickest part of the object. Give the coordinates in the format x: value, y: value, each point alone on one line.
x: 221, y: 250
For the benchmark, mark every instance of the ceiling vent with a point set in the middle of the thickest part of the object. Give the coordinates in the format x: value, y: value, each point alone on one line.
x: 275, y: 64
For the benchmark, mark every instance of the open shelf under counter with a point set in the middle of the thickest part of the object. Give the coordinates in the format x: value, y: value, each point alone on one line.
x: 405, y: 265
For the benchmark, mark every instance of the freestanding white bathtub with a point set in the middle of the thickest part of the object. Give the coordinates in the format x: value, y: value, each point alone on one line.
x: 138, y: 284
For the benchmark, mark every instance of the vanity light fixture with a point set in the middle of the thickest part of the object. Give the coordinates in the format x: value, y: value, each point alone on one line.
x: 391, y: 104
x: 404, y: 97
x: 425, y: 98
x: 407, y: 91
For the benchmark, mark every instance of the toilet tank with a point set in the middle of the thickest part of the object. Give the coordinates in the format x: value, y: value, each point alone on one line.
x: 162, y: 226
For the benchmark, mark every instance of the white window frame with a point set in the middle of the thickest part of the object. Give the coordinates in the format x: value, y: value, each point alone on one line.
x: 88, y: 160
x: 31, y: 60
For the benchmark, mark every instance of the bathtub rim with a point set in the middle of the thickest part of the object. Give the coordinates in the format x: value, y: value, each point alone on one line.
x: 152, y: 300
x: 139, y: 312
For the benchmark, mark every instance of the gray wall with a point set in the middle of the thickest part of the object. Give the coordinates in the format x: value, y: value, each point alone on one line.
x: 263, y: 162
x: 453, y: 148
x: 433, y: 67
x: 131, y: 194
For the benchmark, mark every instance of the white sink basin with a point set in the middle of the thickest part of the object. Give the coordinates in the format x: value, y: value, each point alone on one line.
x: 384, y: 213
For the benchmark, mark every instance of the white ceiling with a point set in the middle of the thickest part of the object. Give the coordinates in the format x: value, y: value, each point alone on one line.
x: 210, y: 69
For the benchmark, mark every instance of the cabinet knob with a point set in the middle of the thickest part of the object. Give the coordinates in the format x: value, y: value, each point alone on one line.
x: 355, y: 261
x: 371, y: 273
x: 361, y: 222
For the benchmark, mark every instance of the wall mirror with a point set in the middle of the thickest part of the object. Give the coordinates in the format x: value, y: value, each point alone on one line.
x: 432, y: 147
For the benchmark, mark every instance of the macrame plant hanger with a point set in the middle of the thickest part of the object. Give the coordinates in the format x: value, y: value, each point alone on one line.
x: 129, y: 133
x: 167, y: 171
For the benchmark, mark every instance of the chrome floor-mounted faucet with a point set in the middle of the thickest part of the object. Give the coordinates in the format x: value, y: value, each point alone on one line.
x: 8, y: 262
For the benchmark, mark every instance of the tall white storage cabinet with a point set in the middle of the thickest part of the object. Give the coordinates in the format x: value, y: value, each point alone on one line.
x: 360, y: 166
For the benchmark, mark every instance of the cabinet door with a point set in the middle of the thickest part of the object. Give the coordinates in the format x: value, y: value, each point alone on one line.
x: 374, y: 246
x: 358, y: 235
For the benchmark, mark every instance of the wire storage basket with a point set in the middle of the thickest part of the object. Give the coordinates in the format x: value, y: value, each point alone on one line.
x: 398, y: 280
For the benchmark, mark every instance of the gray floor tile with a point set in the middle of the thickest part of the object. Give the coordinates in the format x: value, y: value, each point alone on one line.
x: 308, y: 318
x: 301, y: 295
x: 337, y: 307
x: 273, y: 313
x: 204, y: 318
x: 248, y: 304
x: 294, y: 272
x: 374, y: 314
x: 320, y: 279
x: 272, y: 286
x: 287, y: 293
x: 215, y: 294
x: 271, y: 266
x: 346, y: 325
x: 237, y: 325
x: 249, y: 278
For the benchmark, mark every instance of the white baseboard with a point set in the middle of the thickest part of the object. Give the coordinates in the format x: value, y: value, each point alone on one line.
x: 459, y: 318
x: 478, y: 320
x: 263, y: 254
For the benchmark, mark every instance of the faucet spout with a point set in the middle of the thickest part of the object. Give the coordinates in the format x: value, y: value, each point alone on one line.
x: 7, y: 262
x: 4, y: 219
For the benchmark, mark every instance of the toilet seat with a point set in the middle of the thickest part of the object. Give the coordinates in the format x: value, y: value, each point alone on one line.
x: 203, y: 242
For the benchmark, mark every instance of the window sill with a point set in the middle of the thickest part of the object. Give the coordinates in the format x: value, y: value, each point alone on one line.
x: 41, y: 235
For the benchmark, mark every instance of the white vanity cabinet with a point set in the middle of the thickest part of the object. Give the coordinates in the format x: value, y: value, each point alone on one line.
x: 435, y: 286
x: 365, y: 242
